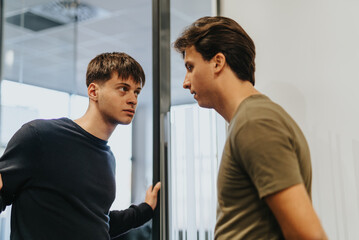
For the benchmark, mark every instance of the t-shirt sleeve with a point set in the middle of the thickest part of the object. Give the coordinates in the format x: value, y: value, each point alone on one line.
x: 134, y: 216
x: 16, y: 165
x: 266, y: 152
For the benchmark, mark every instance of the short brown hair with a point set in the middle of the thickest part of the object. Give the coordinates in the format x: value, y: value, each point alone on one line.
x: 212, y: 35
x: 101, y: 68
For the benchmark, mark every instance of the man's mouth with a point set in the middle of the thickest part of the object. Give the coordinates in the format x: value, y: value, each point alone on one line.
x: 129, y: 111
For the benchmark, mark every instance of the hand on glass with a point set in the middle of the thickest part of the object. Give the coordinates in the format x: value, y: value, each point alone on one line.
x: 151, y: 195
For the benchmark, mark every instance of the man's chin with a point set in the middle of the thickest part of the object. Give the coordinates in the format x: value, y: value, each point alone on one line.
x: 124, y: 122
x: 203, y: 105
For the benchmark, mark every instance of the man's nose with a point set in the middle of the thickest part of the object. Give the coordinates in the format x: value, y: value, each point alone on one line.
x: 133, y: 99
x: 186, y: 83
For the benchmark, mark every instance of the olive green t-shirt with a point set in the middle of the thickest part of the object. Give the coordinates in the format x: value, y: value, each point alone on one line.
x: 265, y: 152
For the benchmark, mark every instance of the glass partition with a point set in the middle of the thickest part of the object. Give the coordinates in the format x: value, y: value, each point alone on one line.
x: 46, y: 47
x: 39, y: 45
x: 197, y: 137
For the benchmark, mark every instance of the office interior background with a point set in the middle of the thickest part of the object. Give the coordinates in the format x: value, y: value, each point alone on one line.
x: 307, y: 61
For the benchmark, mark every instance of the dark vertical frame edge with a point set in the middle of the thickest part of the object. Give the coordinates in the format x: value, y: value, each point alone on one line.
x: 218, y: 7
x: 156, y: 111
x: 161, y: 107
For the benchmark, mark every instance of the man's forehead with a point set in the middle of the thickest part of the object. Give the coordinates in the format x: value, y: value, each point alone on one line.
x: 189, y: 51
x: 128, y: 81
x: 191, y: 54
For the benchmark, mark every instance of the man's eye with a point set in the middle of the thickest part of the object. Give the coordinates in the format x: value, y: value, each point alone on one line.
x: 123, y: 89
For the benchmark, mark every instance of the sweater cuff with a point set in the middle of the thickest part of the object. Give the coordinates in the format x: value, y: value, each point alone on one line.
x: 147, y: 211
x: 2, y: 204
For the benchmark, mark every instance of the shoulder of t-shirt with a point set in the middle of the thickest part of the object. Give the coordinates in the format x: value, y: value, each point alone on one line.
x: 258, y: 109
x: 260, y: 122
x: 256, y: 104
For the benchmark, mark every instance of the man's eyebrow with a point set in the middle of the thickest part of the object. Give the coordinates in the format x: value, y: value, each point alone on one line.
x: 127, y: 85
x: 122, y: 83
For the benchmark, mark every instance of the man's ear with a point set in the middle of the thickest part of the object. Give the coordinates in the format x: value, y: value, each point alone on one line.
x: 219, y: 62
x: 92, y: 91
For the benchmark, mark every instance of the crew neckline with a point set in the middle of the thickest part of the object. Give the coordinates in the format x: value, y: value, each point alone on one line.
x: 93, y: 137
x: 241, y: 105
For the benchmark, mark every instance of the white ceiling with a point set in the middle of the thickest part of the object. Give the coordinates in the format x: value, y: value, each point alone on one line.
x: 57, y: 58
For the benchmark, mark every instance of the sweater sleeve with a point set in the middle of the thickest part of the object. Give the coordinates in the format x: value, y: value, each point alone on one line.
x: 2, y: 204
x: 16, y: 165
x: 134, y: 216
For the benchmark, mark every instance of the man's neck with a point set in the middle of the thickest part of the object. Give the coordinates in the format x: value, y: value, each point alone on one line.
x: 96, y: 125
x: 232, y: 95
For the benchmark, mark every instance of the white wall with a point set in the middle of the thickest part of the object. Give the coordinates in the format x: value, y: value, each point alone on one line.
x: 308, y: 62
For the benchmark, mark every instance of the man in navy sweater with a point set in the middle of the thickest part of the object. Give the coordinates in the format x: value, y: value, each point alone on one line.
x: 59, y: 174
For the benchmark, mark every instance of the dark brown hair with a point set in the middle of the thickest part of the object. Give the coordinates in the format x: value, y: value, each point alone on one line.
x: 212, y: 35
x: 101, y: 68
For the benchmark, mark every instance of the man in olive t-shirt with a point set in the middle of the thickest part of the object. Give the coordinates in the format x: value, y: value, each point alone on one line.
x: 267, y: 152
x: 264, y: 181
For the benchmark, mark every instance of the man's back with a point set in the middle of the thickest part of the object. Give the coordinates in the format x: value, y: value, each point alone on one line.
x: 265, y: 152
x: 64, y: 182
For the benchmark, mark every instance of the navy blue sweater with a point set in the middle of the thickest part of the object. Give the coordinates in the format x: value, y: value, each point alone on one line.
x: 60, y: 181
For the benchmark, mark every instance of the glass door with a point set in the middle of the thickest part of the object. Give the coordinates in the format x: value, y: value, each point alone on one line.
x: 197, y: 138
